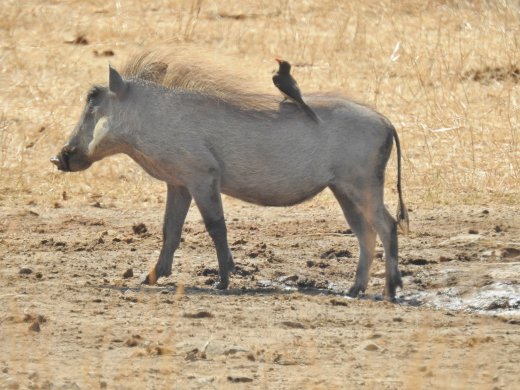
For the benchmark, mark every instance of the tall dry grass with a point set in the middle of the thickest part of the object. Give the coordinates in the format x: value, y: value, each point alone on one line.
x: 445, y: 72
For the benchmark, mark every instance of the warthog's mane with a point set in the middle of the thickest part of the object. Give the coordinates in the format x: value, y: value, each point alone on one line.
x: 191, y: 71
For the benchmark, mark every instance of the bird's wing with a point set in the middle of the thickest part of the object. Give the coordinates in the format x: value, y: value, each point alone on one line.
x: 276, y: 80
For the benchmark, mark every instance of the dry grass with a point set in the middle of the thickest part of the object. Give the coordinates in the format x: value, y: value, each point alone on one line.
x: 442, y: 71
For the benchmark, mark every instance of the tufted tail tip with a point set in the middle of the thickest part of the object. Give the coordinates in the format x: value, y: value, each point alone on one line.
x: 403, y: 222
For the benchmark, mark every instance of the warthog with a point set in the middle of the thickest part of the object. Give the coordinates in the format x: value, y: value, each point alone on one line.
x: 204, y: 133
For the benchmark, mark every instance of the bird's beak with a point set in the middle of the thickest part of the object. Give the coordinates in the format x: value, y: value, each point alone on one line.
x: 278, y: 59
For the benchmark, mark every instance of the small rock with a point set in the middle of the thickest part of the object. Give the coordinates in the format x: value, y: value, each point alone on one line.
x: 293, y: 324
x: 371, y: 347
x: 133, y: 341
x: 235, y: 350
x: 329, y: 254
x: 397, y: 319
x: 510, y: 252
x: 157, y: 350
x: 79, y: 40
x: 285, y: 279
x: 199, y: 314
x: 139, y: 228
x: 195, y: 354
x: 264, y: 283
x: 128, y: 273
x: 104, y: 53
x: 498, y: 304
x: 239, y: 379
x: 25, y: 271
x: 338, y: 302
x: 306, y: 283
x: 473, y: 231
x: 35, y: 326
x: 418, y: 261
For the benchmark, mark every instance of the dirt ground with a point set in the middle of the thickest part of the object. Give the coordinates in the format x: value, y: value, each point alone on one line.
x: 74, y: 247
x: 75, y: 317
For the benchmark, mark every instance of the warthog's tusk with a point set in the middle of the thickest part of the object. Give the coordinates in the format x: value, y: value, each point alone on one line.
x: 55, y: 160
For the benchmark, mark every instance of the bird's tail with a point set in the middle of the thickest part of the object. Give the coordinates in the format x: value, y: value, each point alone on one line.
x: 311, y: 114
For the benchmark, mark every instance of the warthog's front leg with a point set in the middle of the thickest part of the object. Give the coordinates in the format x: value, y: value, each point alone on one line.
x: 208, y: 199
x: 177, y: 206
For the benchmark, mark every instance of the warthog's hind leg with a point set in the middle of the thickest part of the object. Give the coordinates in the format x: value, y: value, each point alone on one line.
x: 366, y: 236
x: 386, y: 227
x: 177, y: 206
x: 365, y: 209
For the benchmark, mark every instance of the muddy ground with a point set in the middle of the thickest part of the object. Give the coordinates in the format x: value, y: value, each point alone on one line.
x: 74, y: 314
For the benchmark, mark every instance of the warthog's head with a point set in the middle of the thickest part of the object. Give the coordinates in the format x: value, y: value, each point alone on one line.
x: 80, y: 151
x: 100, y: 130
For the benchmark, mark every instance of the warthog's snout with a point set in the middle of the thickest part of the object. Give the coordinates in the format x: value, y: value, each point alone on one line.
x: 62, y: 159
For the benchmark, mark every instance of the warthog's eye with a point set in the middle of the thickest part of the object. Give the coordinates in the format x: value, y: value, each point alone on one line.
x: 94, y: 93
x: 67, y: 149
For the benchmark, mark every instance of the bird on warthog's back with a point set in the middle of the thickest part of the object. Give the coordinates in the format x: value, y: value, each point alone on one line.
x: 285, y: 82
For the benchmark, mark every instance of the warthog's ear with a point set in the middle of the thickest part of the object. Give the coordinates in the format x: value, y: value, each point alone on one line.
x: 154, y: 72
x: 116, y: 84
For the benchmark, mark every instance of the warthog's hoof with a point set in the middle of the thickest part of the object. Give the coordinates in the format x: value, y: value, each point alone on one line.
x: 221, y: 284
x: 354, y: 291
x: 389, y: 293
x: 153, y: 276
x: 391, y: 285
x: 148, y: 280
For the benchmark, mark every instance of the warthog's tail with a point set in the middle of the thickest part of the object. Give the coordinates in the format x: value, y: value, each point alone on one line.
x: 402, y: 213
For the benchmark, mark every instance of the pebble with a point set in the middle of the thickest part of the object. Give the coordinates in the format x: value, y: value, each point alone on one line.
x: 198, y: 314
x: 35, y: 326
x: 293, y: 324
x: 239, y: 379
x: 371, y: 347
